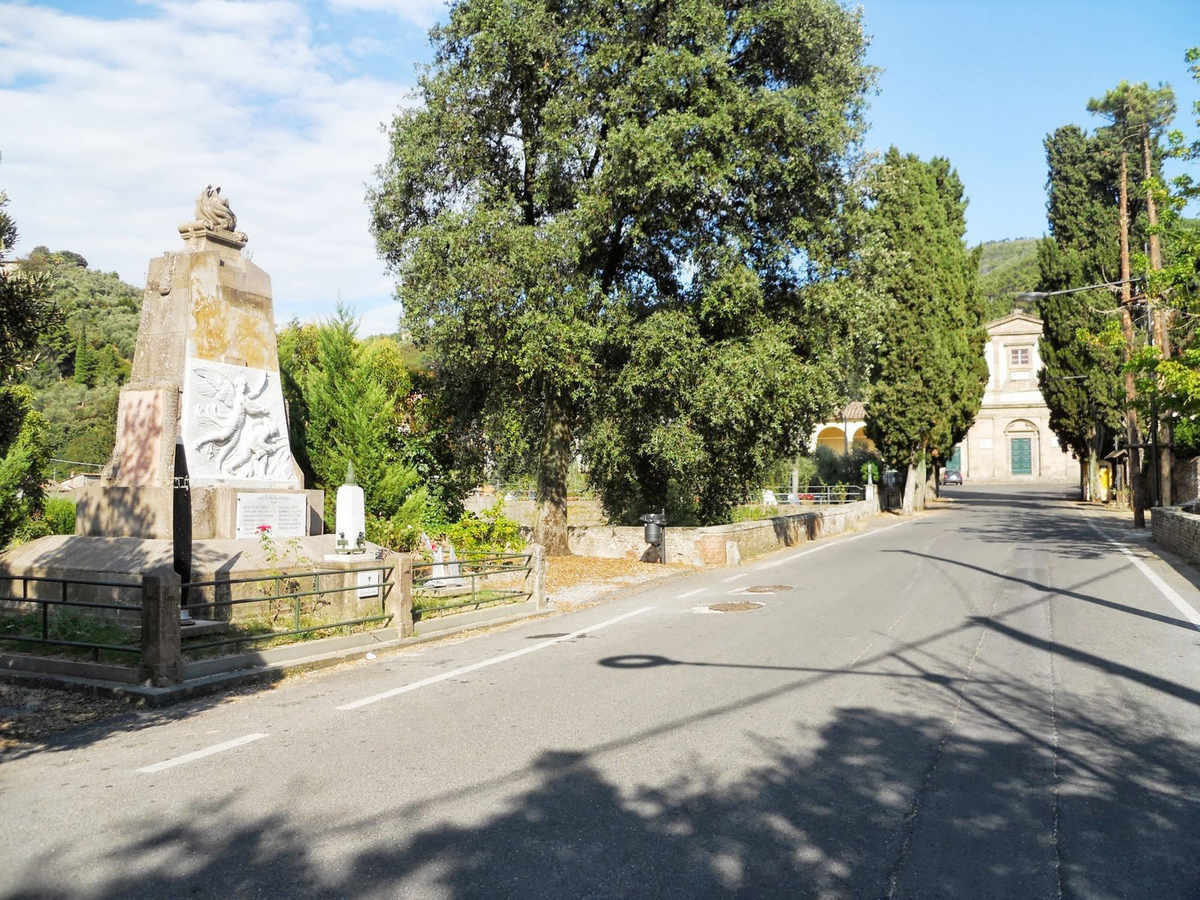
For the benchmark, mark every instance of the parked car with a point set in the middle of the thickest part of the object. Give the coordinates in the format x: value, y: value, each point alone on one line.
x: 952, y: 477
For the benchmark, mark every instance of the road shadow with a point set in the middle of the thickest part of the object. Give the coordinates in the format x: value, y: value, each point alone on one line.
x: 1045, y: 518
x: 1060, y: 526
x: 868, y: 803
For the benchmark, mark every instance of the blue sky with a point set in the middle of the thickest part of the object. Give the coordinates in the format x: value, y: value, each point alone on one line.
x: 117, y: 113
x: 983, y: 83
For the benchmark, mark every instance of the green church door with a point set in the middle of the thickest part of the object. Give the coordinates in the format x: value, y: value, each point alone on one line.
x: 1022, y: 456
x: 955, y: 463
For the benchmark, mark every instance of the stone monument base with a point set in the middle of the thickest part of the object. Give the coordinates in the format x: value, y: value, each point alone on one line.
x: 216, y: 513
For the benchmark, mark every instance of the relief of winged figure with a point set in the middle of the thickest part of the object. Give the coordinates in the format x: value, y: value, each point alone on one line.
x: 239, y: 434
x: 212, y: 210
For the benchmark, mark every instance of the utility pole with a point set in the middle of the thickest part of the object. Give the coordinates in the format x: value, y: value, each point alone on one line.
x: 1131, y: 424
x: 1164, y: 454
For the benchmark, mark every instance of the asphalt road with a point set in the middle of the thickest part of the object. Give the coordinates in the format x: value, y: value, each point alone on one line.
x: 988, y: 700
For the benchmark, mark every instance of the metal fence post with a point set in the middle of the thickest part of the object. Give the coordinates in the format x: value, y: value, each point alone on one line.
x: 537, y: 567
x: 162, y: 656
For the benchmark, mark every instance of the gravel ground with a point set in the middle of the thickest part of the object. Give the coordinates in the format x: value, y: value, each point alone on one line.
x: 29, y: 715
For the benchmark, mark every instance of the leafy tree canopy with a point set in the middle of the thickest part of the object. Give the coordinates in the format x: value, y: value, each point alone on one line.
x: 602, y: 218
x: 25, y: 312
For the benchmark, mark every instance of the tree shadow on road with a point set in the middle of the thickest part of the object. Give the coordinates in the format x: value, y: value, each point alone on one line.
x: 870, y: 803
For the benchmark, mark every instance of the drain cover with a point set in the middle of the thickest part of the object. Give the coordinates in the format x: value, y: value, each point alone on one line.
x: 767, y: 588
x: 740, y: 606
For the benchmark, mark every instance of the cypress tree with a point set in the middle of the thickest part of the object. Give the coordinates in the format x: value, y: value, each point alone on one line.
x: 85, y: 360
x: 1080, y: 345
x: 928, y: 378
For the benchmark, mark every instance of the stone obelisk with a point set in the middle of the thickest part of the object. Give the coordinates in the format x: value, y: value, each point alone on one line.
x: 202, y: 445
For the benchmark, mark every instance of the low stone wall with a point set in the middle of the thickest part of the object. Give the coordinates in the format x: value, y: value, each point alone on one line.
x: 584, y: 510
x: 1185, y: 483
x: 719, y: 545
x: 1176, y: 530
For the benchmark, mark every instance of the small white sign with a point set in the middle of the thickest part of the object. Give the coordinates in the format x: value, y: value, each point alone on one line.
x: 286, y: 514
x: 985, y: 443
x: 368, y: 583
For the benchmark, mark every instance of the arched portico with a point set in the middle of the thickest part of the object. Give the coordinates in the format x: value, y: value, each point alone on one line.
x: 832, y: 437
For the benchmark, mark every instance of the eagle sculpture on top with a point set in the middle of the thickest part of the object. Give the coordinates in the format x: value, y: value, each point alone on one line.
x: 212, y: 210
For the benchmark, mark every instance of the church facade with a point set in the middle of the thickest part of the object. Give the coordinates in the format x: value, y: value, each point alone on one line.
x: 1011, y: 439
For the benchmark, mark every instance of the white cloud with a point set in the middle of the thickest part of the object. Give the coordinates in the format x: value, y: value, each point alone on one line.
x: 419, y: 12
x: 122, y: 122
x: 383, y: 319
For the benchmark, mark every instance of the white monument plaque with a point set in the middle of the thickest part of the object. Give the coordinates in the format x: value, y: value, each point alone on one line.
x: 287, y: 514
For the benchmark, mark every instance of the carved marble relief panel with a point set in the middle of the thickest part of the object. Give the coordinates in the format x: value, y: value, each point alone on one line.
x: 233, y: 424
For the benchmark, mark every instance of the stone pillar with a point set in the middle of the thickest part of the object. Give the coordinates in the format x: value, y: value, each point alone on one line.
x: 398, y: 594
x: 536, y: 578
x: 162, y: 655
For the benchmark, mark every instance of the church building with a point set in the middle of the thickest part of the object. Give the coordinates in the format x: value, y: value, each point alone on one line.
x: 1011, y: 439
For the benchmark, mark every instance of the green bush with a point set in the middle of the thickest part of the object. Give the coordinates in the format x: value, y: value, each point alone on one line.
x: 489, y: 532
x: 845, y: 468
x: 395, y: 534
x: 23, y: 453
x: 59, y: 513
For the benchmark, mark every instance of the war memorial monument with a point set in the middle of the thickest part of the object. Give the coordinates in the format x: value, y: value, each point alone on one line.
x: 202, y: 506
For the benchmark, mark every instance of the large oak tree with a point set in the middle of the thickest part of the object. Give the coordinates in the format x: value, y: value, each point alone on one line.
x: 602, y: 217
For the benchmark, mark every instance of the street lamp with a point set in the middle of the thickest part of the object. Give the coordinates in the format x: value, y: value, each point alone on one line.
x: 1039, y: 295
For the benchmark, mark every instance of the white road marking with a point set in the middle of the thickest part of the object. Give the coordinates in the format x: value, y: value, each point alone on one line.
x: 834, y: 543
x: 705, y: 611
x: 691, y: 593
x: 1154, y: 578
x: 200, y: 754
x: 446, y: 676
x: 734, y: 577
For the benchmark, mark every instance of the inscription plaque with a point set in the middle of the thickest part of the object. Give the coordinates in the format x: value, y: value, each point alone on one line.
x: 287, y: 514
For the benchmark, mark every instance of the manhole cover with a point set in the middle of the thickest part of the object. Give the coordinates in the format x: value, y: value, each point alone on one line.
x: 767, y: 588
x: 740, y: 606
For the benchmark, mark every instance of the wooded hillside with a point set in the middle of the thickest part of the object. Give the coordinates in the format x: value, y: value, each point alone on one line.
x: 80, y: 365
x: 1006, y: 268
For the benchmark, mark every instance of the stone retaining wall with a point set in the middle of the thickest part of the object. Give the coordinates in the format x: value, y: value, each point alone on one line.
x: 1176, y: 530
x: 719, y: 545
x: 1185, y: 483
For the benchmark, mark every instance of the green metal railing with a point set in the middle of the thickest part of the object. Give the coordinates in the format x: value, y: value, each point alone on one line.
x: 445, y: 593
x: 62, y: 600
x: 382, y: 589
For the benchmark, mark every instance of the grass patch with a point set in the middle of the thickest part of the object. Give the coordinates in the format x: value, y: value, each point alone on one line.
x: 427, y: 605
x: 69, y: 626
x: 262, y: 634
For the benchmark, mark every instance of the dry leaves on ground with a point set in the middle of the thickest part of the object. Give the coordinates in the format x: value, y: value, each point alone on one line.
x: 573, y: 581
x: 33, y: 713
